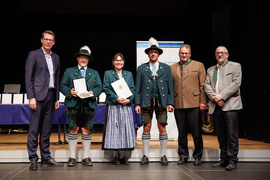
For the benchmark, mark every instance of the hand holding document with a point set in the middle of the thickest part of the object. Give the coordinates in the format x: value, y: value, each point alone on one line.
x: 80, y: 87
x: 121, y: 88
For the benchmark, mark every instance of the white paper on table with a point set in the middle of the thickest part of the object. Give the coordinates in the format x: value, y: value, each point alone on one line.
x: 121, y: 88
x: 6, y: 98
x: 17, y: 98
x: 80, y: 86
x: 25, y: 101
x: 102, y: 97
x: 61, y: 97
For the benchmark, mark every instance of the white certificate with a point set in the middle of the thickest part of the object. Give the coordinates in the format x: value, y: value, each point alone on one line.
x: 121, y: 88
x: 17, y: 98
x: 6, y: 98
x: 80, y: 87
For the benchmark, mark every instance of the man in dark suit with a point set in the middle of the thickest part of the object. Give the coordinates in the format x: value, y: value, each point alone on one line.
x: 42, y: 70
x: 154, y: 92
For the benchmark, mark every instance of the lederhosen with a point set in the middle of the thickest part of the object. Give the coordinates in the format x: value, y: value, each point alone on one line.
x: 81, y: 115
x: 155, y: 104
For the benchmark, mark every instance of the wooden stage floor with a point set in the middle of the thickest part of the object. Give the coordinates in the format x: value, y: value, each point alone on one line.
x: 18, y: 142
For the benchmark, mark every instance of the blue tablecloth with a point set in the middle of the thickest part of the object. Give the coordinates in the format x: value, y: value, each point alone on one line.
x: 14, y: 114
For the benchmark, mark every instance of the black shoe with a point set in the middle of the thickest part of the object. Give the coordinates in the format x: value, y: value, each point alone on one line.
x: 123, y: 161
x: 221, y: 163
x: 231, y: 166
x: 87, y: 162
x: 197, y: 162
x: 164, y: 161
x: 33, y: 166
x: 144, y: 160
x: 71, y: 162
x: 116, y: 161
x: 181, y: 161
x: 51, y: 162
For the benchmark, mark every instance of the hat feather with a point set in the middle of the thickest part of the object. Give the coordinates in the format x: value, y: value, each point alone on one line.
x: 86, y: 48
x: 153, y: 41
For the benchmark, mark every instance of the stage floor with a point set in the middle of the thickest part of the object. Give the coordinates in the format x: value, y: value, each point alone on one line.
x: 18, y: 142
x: 13, y: 149
x: 134, y: 171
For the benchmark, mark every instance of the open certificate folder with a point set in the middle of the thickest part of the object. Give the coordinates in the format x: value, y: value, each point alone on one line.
x: 121, y: 88
x: 80, y: 86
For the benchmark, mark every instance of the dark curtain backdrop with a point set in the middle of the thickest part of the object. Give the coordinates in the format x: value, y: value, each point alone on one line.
x: 108, y: 27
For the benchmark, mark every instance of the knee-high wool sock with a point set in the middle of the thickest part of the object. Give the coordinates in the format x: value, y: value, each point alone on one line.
x: 86, y: 142
x: 146, y: 141
x: 163, y: 144
x: 72, y: 143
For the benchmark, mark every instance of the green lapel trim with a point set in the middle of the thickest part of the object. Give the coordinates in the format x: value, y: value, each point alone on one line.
x: 88, y: 74
x: 225, y: 63
x: 216, y: 70
x: 148, y: 71
x: 186, y: 63
x: 124, y: 73
x: 78, y: 73
x: 160, y: 70
x: 114, y: 73
x: 215, y: 75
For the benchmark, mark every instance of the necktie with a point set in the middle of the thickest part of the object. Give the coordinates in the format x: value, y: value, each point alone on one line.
x: 82, y: 72
x: 154, y: 69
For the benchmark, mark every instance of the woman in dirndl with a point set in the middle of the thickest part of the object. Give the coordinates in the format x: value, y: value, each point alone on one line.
x: 119, y: 130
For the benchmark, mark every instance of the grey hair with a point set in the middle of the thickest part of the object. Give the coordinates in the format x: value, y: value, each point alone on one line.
x: 185, y: 46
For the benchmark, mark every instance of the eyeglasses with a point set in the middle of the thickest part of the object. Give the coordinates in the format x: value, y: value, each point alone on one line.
x: 49, y: 40
x: 184, y: 54
x: 118, y: 60
x: 222, y: 53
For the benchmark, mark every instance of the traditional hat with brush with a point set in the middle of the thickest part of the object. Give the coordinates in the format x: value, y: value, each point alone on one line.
x: 153, y: 46
x: 84, y: 51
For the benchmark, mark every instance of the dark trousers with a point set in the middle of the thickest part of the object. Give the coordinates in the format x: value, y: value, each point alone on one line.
x: 189, y: 118
x: 226, y: 125
x: 41, y: 121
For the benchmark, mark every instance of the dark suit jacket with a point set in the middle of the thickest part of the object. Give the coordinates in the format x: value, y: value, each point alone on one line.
x: 144, y: 85
x: 37, y: 76
x: 111, y: 76
x: 93, y: 83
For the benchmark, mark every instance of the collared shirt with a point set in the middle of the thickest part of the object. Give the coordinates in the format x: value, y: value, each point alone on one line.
x: 151, y: 65
x: 85, y: 68
x: 218, y: 69
x: 50, y: 67
x: 184, y: 63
